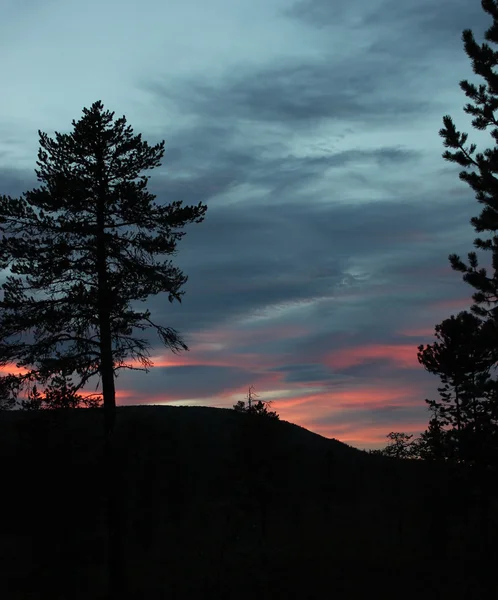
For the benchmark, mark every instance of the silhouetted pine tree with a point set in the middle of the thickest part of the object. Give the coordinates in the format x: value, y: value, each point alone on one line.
x: 462, y: 360
x: 480, y: 437
x: 87, y: 241
x: 432, y: 444
x: 482, y: 180
x: 80, y: 249
x: 399, y: 445
x: 7, y: 395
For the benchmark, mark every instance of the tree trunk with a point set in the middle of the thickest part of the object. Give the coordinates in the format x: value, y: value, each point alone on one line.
x: 115, y: 555
x: 115, y: 558
x: 104, y: 311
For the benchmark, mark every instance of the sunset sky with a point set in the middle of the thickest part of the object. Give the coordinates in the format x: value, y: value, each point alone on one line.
x: 310, y: 129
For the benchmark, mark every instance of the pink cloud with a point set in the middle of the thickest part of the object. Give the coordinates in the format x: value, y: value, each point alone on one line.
x: 375, y: 436
x: 420, y: 332
x: 453, y: 304
x: 403, y: 355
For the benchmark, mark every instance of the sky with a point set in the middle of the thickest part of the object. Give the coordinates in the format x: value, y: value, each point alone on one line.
x: 310, y: 130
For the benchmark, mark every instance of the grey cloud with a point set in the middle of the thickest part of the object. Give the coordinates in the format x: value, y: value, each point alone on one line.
x: 304, y: 373
x: 195, y: 381
x: 246, y: 257
x: 13, y: 182
x: 424, y: 25
x: 315, y: 241
x: 320, y: 13
x: 215, y: 173
x: 431, y: 21
x: 294, y: 94
x: 365, y: 85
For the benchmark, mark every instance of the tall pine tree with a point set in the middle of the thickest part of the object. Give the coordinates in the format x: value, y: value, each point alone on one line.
x: 478, y: 442
x: 80, y: 249
x: 86, y: 243
x: 484, y: 182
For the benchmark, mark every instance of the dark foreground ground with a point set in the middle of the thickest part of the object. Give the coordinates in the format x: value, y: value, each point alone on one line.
x: 218, y: 505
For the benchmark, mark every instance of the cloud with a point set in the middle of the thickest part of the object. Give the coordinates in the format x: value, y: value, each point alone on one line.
x: 13, y: 182
x: 183, y: 381
x: 411, y: 27
x: 301, y: 93
x: 403, y: 355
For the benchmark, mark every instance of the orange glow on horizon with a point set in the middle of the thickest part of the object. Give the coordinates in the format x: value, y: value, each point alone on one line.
x: 307, y: 410
x: 307, y: 403
x: 13, y: 370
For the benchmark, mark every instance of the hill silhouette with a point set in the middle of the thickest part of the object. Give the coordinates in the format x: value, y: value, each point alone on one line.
x: 219, y: 504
